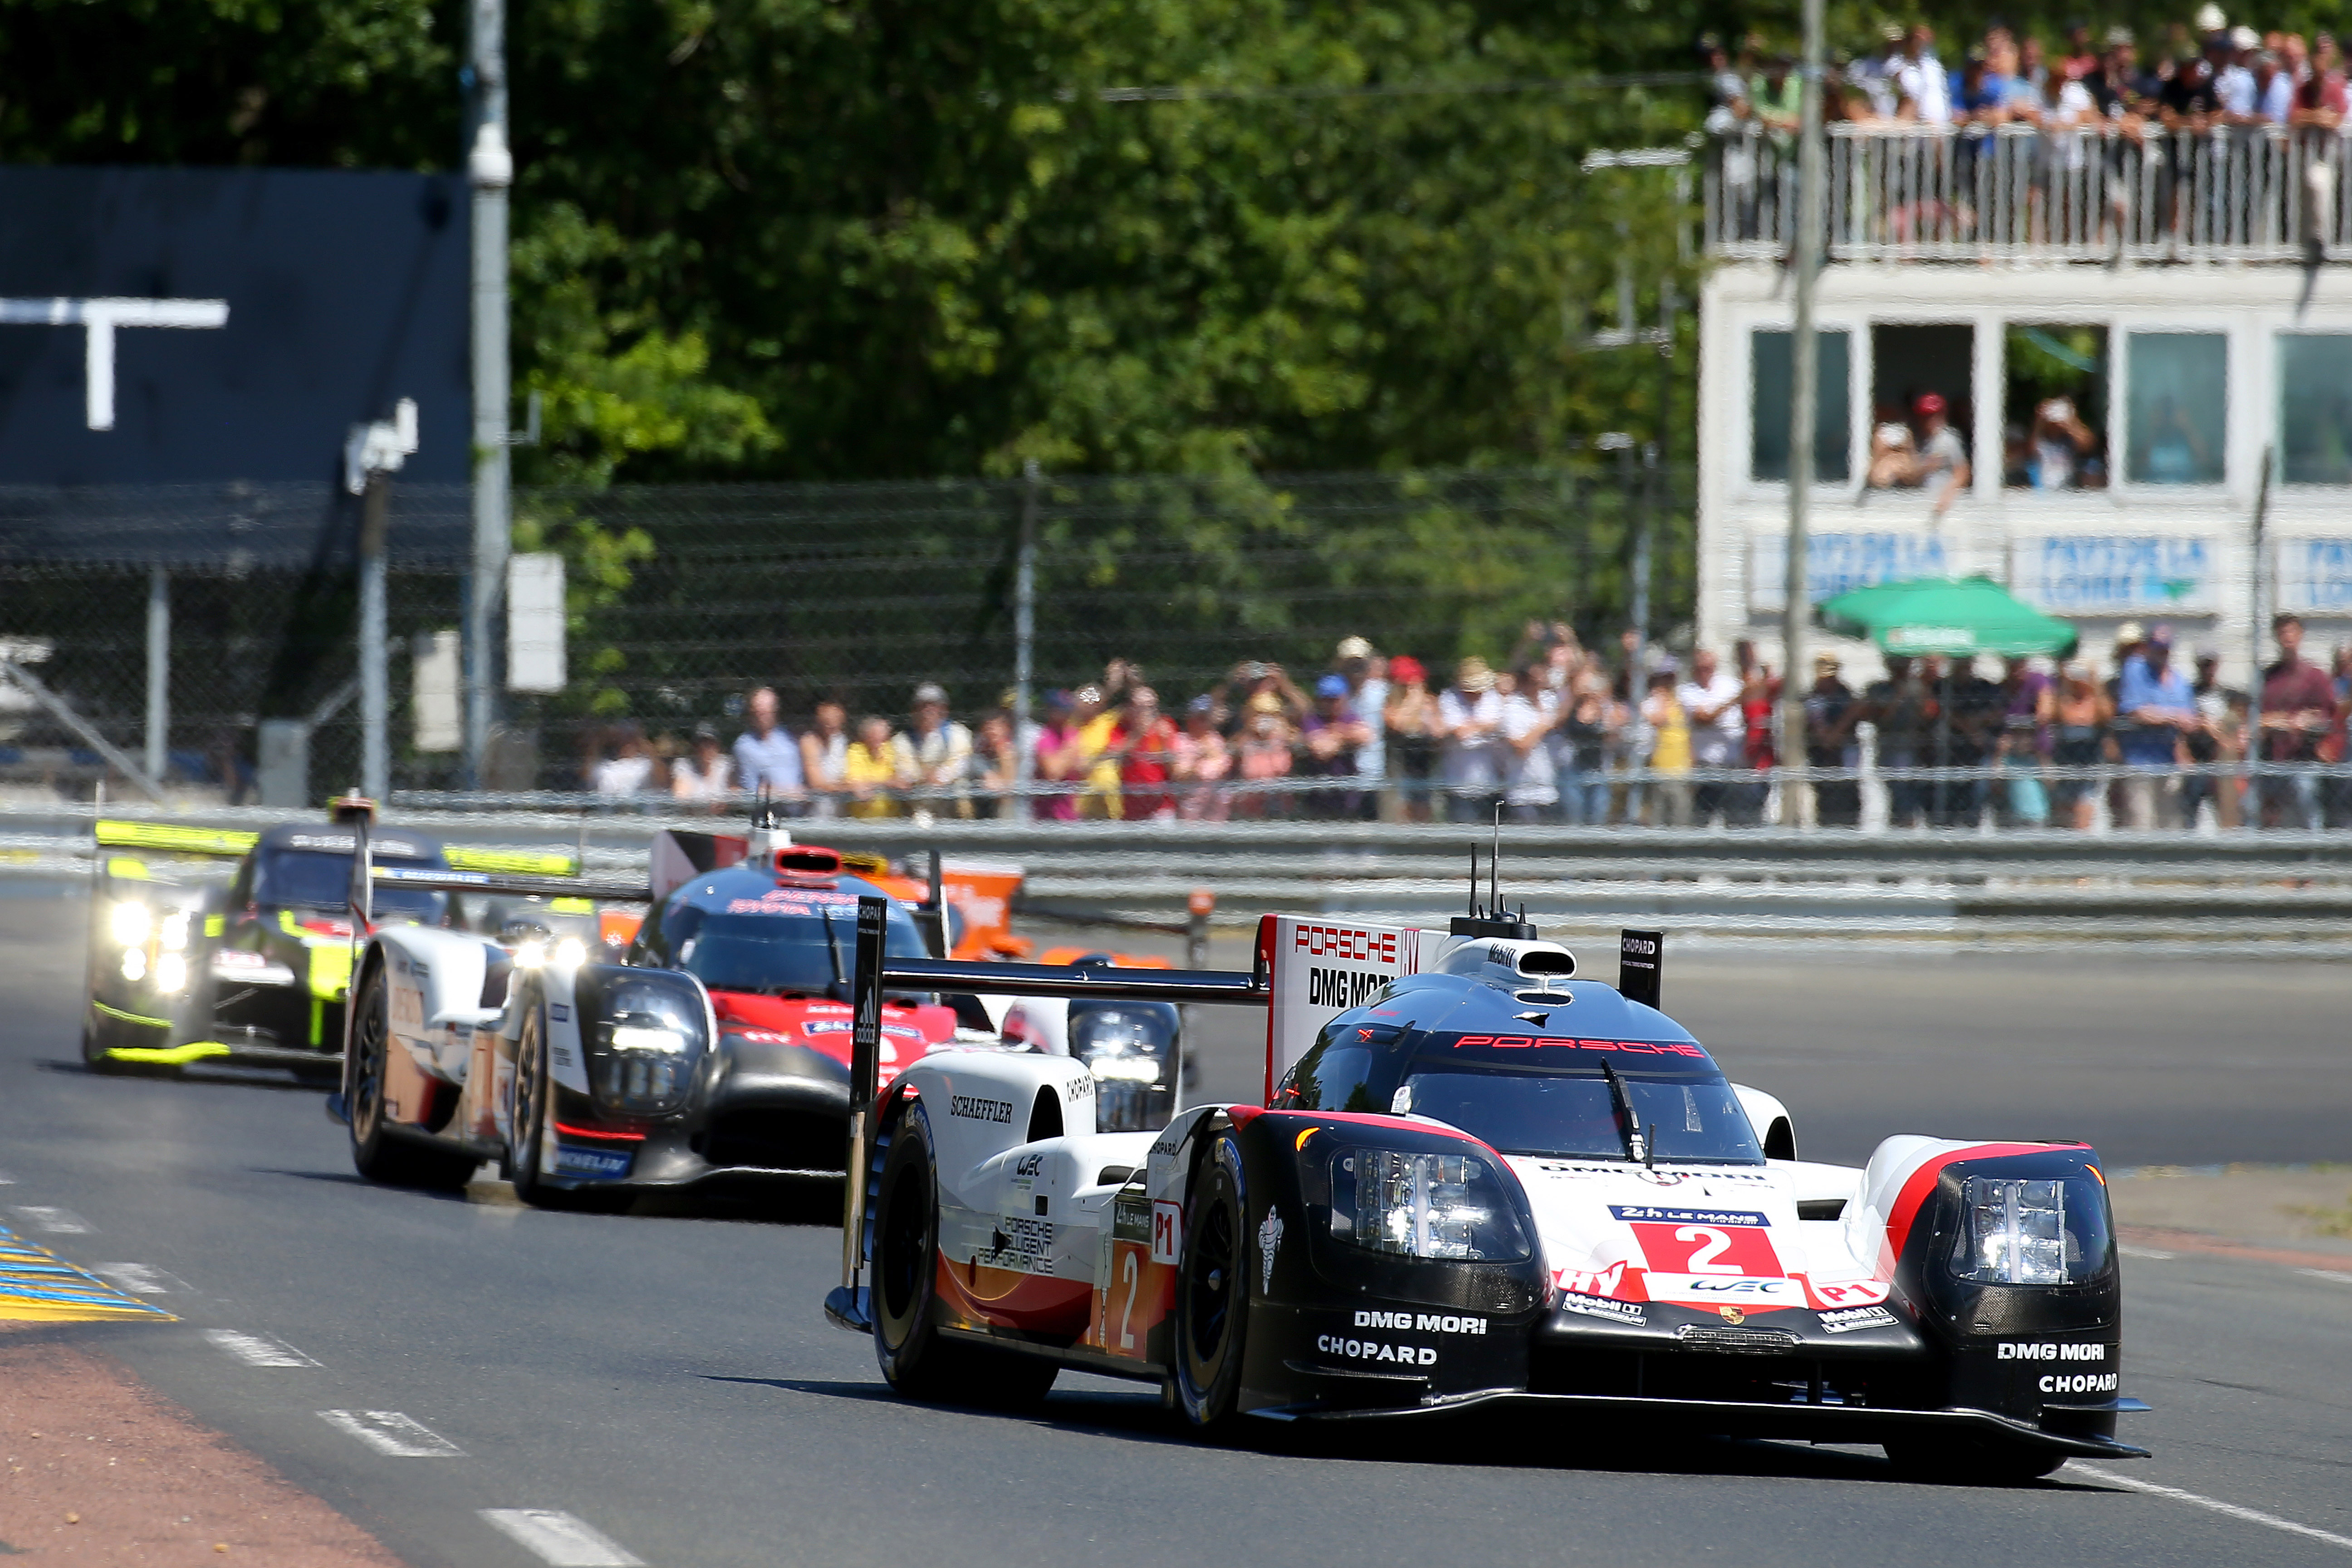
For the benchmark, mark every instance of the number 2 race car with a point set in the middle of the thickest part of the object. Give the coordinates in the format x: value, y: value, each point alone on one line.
x: 1475, y: 1181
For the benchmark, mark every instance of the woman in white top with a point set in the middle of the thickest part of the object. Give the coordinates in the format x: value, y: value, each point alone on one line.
x: 824, y: 750
x: 708, y: 774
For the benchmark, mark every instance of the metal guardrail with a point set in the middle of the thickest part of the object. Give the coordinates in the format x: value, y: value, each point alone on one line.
x: 2262, y: 892
x: 1923, y: 193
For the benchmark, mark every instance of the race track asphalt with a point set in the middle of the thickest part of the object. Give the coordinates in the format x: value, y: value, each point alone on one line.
x: 670, y: 1381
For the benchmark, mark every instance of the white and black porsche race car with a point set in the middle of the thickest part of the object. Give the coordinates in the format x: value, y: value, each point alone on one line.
x: 1476, y: 1180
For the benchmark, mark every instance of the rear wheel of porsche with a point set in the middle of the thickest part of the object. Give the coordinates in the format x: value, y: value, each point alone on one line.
x: 378, y: 1151
x: 916, y: 1360
x: 1211, y: 1293
x: 1972, y: 1461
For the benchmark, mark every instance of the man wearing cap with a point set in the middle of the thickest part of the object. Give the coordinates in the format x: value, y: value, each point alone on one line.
x: 933, y: 755
x: 1942, y: 456
x: 1366, y: 673
x: 1829, y: 745
x: 1333, y: 734
x: 766, y: 754
x: 2162, y: 709
x: 1470, y: 726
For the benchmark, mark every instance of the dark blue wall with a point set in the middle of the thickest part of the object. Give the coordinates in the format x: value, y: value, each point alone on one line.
x: 345, y: 291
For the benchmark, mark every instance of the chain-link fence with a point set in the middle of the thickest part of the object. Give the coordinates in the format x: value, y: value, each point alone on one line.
x: 685, y: 599
x: 260, y: 584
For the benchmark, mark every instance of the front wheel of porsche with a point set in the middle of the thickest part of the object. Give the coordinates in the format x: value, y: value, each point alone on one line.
x: 1213, y: 1293
x: 916, y: 1360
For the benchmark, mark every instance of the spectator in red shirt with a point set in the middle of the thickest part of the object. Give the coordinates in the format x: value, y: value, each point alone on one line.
x: 2298, y: 710
x: 1144, y: 743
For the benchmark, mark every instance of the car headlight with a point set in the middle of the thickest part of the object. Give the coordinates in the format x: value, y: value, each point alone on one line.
x: 1424, y: 1206
x: 171, y: 972
x: 129, y: 923
x: 134, y: 964
x: 2017, y: 1232
x: 647, y: 1047
x: 570, y: 953
x: 659, y: 1036
x: 176, y: 932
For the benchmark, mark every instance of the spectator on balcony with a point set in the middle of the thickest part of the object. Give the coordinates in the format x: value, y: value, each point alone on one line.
x: 2066, y: 114
x: 1874, y: 79
x: 2080, y: 62
x: 766, y: 756
x: 2234, y: 78
x: 1469, y: 727
x: 2061, y: 446
x: 2124, y: 92
x: 2163, y: 711
x: 2189, y: 101
x: 2319, y: 97
x: 1778, y: 97
x: 1892, y: 450
x: 1727, y: 107
x: 2274, y: 91
x: 933, y: 754
x: 1924, y: 85
x: 1415, y: 731
x: 1938, y: 461
x: 869, y: 768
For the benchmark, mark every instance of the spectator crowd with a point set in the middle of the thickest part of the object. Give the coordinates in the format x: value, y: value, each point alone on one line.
x: 1560, y: 733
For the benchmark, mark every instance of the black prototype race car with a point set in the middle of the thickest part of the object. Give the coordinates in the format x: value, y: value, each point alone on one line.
x: 1485, y: 1183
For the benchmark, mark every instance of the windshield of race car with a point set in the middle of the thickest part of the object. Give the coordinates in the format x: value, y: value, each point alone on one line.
x: 812, y: 952
x: 1519, y: 1102
x: 321, y: 879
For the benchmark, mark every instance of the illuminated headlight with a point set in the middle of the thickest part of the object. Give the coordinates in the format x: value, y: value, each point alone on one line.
x: 637, y: 1037
x: 129, y: 923
x: 2016, y: 1233
x: 171, y: 972
x: 570, y: 953
x: 529, y: 954
x: 134, y: 964
x: 1127, y: 1044
x: 176, y: 932
x: 1424, y: 1206
x: 1125, y: 1069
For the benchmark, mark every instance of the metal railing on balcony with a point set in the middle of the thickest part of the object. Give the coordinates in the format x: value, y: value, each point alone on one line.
x: 1918, y: 192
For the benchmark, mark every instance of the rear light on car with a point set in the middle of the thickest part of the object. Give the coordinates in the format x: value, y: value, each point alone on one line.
x: 1424, y: 1206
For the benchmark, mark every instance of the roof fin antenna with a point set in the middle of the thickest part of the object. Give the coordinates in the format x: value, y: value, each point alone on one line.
x: 1495, y: 868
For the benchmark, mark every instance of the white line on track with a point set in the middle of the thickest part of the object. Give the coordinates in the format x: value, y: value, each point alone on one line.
x: 137, y: 1279
x: 2340, y: 1279
x: 2252, y: 1516
x: 560, y: 1541
x: 56, y: 1222
x: 7, y: 1180
x: 390, y: 1432
x: 257, y: 1350
x: 2149, y: 1252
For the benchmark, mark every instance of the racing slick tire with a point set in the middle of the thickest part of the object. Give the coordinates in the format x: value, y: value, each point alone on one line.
x: 1213, y: 1293
x: 378, y: 1152
x: 1971, y: 1461
x: 528, y: 1115
x: 94, y: 1053
x: 916, y: 1360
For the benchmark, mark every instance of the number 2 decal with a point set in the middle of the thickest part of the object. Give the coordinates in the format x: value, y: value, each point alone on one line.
x: 1712, y: 1244
x: 1130, y: 1275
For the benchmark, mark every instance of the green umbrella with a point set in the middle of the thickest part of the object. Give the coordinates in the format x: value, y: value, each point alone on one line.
x: 1956, y: 615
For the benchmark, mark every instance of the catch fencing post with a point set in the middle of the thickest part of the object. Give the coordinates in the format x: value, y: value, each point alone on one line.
x: 375, y: 753
x: 489, y: 169
x: 1025, y: 631
x: 1803, y: 375
x: 159, y: 671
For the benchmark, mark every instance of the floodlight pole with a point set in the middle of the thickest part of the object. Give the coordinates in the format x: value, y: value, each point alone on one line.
x: 489, y: 170
x: 1806, y: 263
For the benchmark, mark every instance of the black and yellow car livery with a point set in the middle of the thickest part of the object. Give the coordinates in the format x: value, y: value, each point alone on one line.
x: 249, y: 969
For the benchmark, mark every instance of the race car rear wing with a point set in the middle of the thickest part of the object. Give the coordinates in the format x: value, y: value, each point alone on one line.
x: 228, y: 843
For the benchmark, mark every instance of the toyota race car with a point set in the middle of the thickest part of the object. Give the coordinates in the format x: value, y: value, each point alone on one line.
x: 719, y: 1048
x: 1475, y: 1181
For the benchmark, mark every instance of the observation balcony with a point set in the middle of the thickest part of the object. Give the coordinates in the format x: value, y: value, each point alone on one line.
x: 2018, y: 195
